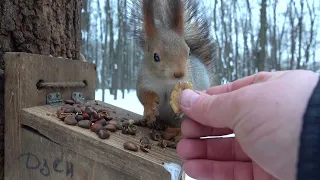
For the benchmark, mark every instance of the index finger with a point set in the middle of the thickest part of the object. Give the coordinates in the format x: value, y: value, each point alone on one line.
x: 211, y: 110
x: 240, y: 83
x: 193, y: 129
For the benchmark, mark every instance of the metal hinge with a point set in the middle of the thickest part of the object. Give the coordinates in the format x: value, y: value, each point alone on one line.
x: 54, y: 99
x: 78, y: 96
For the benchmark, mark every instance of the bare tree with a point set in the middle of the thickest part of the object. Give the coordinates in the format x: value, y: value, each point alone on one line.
x: 310, y: 40
x: 262, y: 36
x: 274, y: 46
x: 300, y: 26
x: 236, y: 30
x: 293, y: 32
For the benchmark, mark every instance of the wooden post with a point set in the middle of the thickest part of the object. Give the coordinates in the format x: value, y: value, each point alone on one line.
x: 23, y: 72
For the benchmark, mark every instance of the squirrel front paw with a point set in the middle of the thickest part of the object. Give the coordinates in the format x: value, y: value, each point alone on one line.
x: 151, y: 106
x: 151, y: 113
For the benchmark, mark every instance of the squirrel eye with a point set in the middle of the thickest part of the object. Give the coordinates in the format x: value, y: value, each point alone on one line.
x: 156, y: 57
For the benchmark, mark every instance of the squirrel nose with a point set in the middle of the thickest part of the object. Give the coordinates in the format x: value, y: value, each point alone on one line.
x: 178, y: 75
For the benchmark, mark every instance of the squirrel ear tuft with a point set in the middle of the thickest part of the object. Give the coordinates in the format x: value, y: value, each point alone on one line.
x: 177, y: 20
x: 148, y: 15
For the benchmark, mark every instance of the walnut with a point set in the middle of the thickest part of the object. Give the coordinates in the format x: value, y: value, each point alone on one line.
x: 175, y: 94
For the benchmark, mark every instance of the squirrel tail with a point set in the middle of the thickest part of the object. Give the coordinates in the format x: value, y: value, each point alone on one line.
x: 196, y: 26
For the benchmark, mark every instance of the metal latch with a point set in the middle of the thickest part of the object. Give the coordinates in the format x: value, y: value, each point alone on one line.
x: 78, y: 96
x: 54, y: 99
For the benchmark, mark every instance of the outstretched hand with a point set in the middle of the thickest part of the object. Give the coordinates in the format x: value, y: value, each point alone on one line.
x: 264, y: 111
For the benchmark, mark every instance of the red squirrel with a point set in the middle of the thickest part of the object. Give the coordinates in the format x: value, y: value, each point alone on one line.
x: 177, y: 47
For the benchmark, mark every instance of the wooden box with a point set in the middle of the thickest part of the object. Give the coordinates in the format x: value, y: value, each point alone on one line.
x: 38, y: 146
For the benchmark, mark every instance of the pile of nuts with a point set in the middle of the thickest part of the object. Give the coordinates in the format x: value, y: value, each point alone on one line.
x: 97, y: 119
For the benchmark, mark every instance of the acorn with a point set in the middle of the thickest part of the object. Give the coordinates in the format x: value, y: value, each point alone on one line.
x: 130, y: 146
x: 103, y: 122
x: 96, y: 127
x: 103, y: 134
x: 85, y: 116
x: 89, y: 110
x: 69, y: 101
x: 70, y: 120
x: 85, y: 124
x: 79, y: 117
x: 110, y: 127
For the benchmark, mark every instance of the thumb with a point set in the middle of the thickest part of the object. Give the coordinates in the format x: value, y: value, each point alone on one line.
x: 210, y: 110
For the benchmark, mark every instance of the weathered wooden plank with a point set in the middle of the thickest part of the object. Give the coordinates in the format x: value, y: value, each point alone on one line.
x: 109, y: 152
x: 23, y: 71
x: 43, y: 159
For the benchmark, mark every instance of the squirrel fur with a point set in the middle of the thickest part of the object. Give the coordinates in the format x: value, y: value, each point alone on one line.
x: 177, y: 46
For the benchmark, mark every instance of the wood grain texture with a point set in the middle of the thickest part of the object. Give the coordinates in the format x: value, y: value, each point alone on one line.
x: 23, y: 71
x: 43, y: 159
x: 109, y: 152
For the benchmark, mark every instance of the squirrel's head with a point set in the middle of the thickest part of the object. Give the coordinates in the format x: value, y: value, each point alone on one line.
x: 166, y: 53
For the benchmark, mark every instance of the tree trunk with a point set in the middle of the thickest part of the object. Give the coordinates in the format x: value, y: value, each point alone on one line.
x: 312, y: 12
x: 292, y: 33
x: 251, y: 67
x: 105, y: 59
x: 274, y: 37
x: 300, y: 26
x: 39, y: 27
x: 236, y: 30
x: 111, y: 48
x: 262, y: 36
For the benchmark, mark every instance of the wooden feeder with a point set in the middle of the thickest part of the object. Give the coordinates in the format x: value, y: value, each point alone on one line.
x: 38, y: 146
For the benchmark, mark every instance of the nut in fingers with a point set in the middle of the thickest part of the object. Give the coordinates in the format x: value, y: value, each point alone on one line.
x: 176, y: 93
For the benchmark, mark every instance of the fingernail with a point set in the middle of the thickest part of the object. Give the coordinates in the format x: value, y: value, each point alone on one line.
x: 188, y: 98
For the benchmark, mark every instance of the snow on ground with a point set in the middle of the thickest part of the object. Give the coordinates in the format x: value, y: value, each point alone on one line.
x: 130, y: 103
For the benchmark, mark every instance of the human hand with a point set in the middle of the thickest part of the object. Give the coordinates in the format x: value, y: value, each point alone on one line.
x: 264, y: 111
